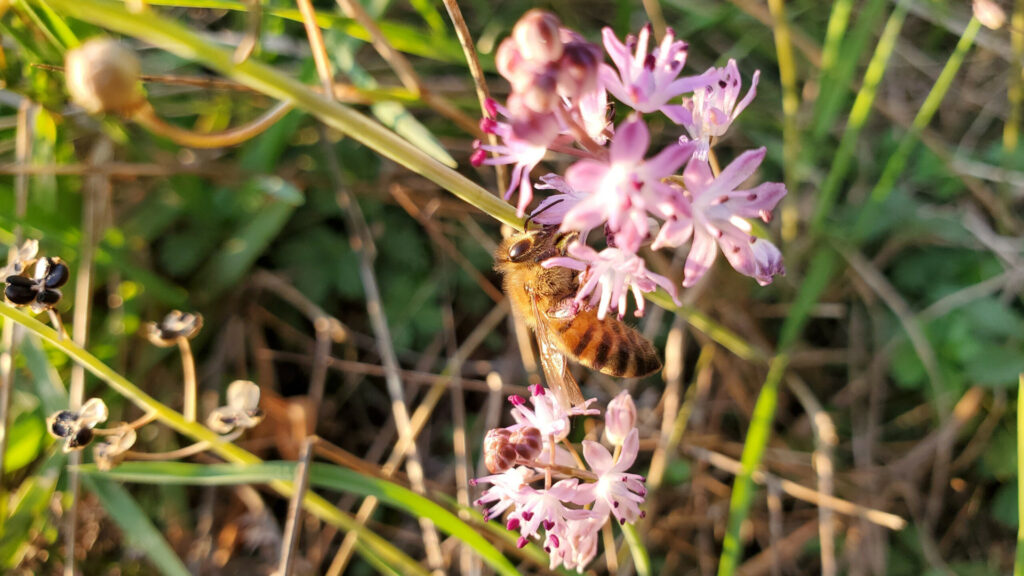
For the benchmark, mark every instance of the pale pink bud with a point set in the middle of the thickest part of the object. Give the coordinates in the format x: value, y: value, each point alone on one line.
x: 620, y: 418
x: 537, y: 36
x: 989, y: 14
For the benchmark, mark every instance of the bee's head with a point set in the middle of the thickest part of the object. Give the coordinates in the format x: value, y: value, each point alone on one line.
x: 533, y: 246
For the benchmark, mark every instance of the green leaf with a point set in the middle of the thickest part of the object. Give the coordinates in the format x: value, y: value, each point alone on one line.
x: 998, y: 367
x: 321, y: 475
x: 25, y: 441
x: 135, y: 526
x: 29, y: 510
x: 238, y: 253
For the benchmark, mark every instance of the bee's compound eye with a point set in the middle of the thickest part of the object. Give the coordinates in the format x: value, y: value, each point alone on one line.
x: 519, y: 249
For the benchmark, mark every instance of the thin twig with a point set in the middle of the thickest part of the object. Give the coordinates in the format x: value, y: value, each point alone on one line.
x: 476, y: 71
x: 188, y: 373
x: 825, y: 440
x: 723, y: 462
x: 291, y: 527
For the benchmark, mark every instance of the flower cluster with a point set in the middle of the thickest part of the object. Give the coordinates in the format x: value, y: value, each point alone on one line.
x: 619, y: 184
x: 566, y: 515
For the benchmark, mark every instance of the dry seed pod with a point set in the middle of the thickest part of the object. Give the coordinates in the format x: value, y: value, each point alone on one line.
x: 499, y: 453
x: 103, y: 77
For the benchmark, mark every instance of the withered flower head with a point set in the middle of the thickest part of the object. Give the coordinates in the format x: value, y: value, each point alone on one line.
x: 76, y: 427
x: 110, y: 452
x: 242, y: 410
x: 24, y: 259
x: 175, y: 325
x: 42, y: 290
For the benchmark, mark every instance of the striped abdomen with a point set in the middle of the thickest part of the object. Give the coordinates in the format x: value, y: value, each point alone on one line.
x: 608, y: 345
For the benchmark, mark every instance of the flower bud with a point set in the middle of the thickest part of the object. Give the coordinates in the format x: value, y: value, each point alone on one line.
x: 103, y: 76
x: 537, y: 36
x: 577, y: 71
x: 620, y: 418
x: 499, y: 453
x: 989, y: 14
x: 527, y: 443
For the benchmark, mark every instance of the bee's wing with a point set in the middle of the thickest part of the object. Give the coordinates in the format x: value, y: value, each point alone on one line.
x: 556, y: 367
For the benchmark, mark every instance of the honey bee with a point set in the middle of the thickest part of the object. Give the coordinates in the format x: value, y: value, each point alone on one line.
x: 543, y: 297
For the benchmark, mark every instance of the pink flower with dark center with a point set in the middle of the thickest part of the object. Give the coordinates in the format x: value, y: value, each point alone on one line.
x: 719, y: 216
x: 712, y: 109
x: 622, y: 190
x: 646, y: 81
x: 547, y: 414
x: 536, y: 509
x: 616, y: 490
x: 609, y: 276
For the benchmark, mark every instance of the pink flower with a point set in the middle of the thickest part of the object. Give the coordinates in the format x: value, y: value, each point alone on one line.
x: 547, y: 415
x: 524, y: 144
x: 579, y: 543
x: 623, y: 189
x: 712, y: 109
x: 552, y: 210
x: 608, y: 276
x: 505, y: 491
x: 647, y: 81
x: 616, y: 490
x: 536, y: 509
x: 719, y: 212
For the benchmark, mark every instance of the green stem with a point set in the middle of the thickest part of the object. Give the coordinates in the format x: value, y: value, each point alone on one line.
x: 1018, y: 565
x: 641, y: 559
x: 177, y: 39
x: 376, y: 549
x: 753, y: 451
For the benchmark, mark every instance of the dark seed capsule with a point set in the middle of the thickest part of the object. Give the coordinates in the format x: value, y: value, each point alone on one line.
x: 58, y: 274
x: 63, y: 423
x: 20, y: 281
x: 80, y: 439
x: 49, y: 297
x: 18, y: 294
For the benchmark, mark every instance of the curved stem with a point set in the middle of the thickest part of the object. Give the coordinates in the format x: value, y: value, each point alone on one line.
x: 183, y: 452
x: 147, y: 117
x: 188, y: 371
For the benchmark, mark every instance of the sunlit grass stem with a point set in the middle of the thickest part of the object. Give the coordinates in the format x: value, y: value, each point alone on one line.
x: 1018, y: 565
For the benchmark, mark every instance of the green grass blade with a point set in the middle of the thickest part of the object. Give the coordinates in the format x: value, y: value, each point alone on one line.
x: 839, y: 63
x: 858, y: 116
x: 238, y: 253
x: 322, y: 476
x: 402, y: 37
x: 753, y: 452
x: 898, y: 161
x: 139, y: 532
x: 1018, y: 565
x: 726, y: 338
